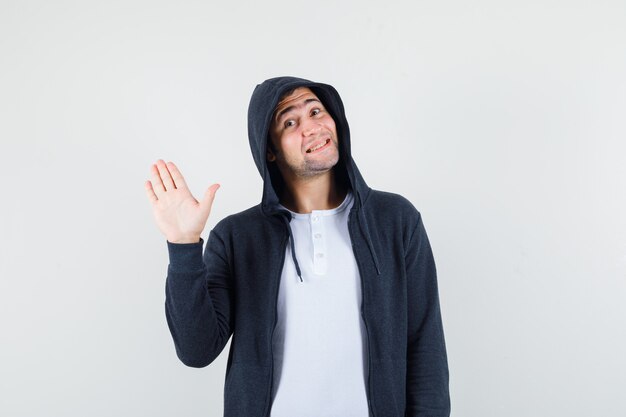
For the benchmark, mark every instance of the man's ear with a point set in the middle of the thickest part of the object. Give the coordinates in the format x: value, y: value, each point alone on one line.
x: 270, y: 155
x: 270, y: 149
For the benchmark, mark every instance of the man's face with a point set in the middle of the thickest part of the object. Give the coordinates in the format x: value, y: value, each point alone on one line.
x: 303, y: 134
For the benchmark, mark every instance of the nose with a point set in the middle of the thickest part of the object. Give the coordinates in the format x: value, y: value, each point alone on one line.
x: 311, y: 127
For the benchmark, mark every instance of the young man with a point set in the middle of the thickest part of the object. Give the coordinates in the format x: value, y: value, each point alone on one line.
x: 328, y: 287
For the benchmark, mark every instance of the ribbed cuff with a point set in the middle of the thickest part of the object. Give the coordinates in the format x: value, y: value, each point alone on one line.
x: 186, y: 257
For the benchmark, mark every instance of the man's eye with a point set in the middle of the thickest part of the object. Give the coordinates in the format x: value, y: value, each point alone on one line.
x: 315, y: 111
x: 290, y: 123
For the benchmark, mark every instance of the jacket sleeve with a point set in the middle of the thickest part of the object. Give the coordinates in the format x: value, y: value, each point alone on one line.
x: 198, y: 300
x: 427, y: 364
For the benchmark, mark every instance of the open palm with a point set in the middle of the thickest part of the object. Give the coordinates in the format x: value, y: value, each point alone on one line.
x: 179, y: 216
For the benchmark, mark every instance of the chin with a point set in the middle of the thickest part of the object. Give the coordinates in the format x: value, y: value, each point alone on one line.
x: 321, y: 166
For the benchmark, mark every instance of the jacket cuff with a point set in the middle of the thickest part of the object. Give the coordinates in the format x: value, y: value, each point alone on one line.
x: 186, y: 257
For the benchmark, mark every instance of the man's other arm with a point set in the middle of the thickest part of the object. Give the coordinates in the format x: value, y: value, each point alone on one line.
x: 427, y: 363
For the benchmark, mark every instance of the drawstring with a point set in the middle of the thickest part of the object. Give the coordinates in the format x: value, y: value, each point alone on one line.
x: 293, y: 248
x: 364, y: 228
x: 368, y: 239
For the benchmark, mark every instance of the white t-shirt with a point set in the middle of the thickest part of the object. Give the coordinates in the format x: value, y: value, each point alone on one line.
x: 320, y: 350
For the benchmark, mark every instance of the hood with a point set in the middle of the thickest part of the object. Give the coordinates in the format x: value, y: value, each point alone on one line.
x: 262, y: 104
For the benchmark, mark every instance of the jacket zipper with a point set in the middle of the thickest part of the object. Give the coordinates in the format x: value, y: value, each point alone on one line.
x: 369, y: 354
x: 280, y: 273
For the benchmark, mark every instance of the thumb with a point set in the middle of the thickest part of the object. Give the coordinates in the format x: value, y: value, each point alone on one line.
x: 209, y: 195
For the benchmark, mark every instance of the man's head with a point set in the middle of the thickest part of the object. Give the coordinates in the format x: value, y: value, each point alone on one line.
x: 302, y: 137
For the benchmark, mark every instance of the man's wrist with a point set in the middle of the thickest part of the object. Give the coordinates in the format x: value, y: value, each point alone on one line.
x: 185, y: 240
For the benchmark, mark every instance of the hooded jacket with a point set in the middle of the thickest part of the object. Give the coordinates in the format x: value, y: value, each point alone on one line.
x: 232, y: 289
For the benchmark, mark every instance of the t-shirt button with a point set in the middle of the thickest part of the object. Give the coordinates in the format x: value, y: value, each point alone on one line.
x: 315, y: 218
x: 317, y: 235
x: 320, y: 255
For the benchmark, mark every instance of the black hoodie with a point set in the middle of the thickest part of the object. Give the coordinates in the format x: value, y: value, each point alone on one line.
x: 232, y: 289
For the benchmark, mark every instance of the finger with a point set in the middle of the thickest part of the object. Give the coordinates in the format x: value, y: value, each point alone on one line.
x: 179, y: 181
x: 166, y: 177
x: 157, y: 184
x: 150, y: 192
x: 209, y: 196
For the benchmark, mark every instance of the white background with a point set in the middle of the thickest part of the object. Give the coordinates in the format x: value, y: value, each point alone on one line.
x: 502, y: 121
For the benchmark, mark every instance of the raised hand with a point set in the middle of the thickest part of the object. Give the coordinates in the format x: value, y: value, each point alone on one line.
x: 179, y: 216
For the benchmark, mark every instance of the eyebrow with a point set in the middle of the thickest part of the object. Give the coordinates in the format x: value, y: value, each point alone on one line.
x: 290, y: 108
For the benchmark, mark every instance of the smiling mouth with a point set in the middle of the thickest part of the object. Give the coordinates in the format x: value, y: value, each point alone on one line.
x: 319, y: 146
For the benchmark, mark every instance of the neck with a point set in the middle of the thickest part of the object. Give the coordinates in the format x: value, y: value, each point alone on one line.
x: 322, y: 192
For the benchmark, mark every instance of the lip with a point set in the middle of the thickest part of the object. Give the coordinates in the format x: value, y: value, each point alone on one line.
x: 314, y: 144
